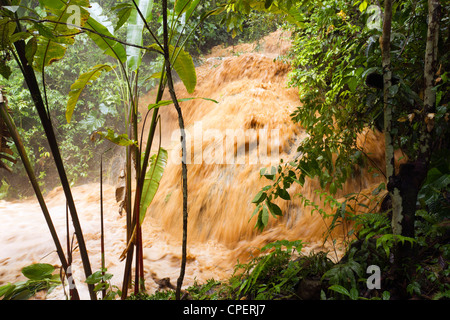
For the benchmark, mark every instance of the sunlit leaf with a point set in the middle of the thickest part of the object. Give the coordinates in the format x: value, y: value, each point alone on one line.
x: 363, y: 6
x: 56, y: 36
x: 152, y: 178
x: 187, y: 6
x: 180, y: 6
x: 7, y: 28
x: 260, y: 196
x: 264, y: 216
x: 119, y: 139
x: 135, y: 32
x: 38, y: 271
x: 77, y: 87
x: 123, y: 14
x: 100, y: 24
x: 183, y: 64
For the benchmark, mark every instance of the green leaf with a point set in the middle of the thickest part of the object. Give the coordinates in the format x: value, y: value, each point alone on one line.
x: 123, y: 14
x: 5, y: 70
x: 264, y: 216
x: 38, y: 271
x: 354, y: 293
x: 283, y: 194
x: 30, y: 50
x: 378, y: 189
x: 20, y: 36
x: 135, y: 32
x: 121, y: 140
x: 258, y: 207
x: 98, y: 276
x: 13, y: 9
x: 48, y: 52
x: 268, y: 3
x: 6, y: 290
x: 187, y: 6
x: 192, y: 7
x: 268, y: 175
x: 363, y: 6
x: 339, y: 289
x: 152, y: 178
x: 100, y: 23
x: 7, y: 28
x: 274, y: 209
x: 181, y: 6
x: 77, y: 87
x: 260, y: 196
x: 183, y: 64
x: 51, y: 48
x: 168, y: 102
x: 333, y: 188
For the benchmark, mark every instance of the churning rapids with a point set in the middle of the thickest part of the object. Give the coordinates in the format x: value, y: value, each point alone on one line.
x: 250, y: 85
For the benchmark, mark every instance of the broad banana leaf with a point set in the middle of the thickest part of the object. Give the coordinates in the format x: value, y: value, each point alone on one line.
x: 152, y: 178
x: 77, y: 87
x: 187, y: 6
x: 183, y: 64
x: 51, y: 48
x: 102, y: 25
x: 135, y: 31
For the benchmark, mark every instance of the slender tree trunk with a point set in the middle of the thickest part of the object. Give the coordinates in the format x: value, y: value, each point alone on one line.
x: 434, y: 15
x: 404, y: 186
x: 412, y: 175
x: 183, y: 148
x: 393, y: 189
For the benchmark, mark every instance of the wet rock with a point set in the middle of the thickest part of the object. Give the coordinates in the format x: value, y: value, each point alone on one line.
x: 309, y: 289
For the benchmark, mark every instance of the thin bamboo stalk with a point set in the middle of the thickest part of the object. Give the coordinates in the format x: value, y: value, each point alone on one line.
x: 33, y: 87
x: 30, y: 172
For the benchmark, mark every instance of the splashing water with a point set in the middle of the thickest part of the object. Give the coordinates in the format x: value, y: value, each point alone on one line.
x: 228, y: 142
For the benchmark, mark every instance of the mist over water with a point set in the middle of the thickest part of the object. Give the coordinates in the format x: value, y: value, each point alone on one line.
x: 254, y: 104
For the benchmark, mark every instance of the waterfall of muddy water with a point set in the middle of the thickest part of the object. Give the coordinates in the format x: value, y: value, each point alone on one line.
x: 250, y: 87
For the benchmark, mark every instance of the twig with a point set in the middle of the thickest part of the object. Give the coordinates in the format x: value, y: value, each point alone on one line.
x: 92, y: 31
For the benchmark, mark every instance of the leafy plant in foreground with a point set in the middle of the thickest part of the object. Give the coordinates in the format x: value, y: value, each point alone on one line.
x: 268, y: 276
x: 40, y: 277
x: 100, y: 280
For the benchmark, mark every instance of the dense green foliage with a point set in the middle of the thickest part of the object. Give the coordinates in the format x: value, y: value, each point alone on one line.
x: 336, y: 45
x: 281, y: 273
x: 98, y: 108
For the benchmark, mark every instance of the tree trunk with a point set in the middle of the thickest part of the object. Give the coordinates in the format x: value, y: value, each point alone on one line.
x: 393, y: 187
x: 183, y: 150
x: 405, y: 186
x: 413, y: 174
